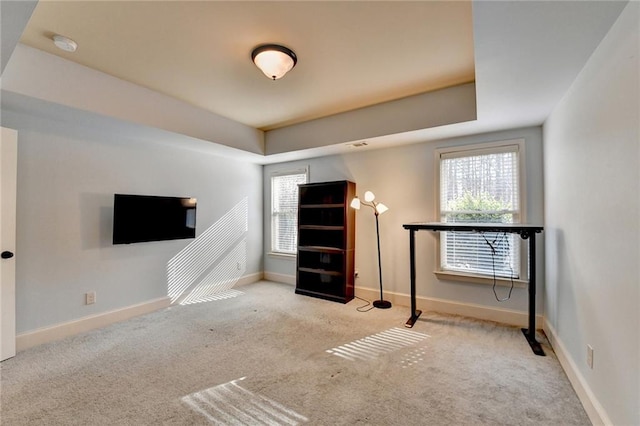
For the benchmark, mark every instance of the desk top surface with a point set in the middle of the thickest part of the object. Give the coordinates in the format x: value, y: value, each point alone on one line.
x: 479, y: 227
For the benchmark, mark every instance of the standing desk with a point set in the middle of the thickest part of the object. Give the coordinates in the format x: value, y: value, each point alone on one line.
x: 525, y: 231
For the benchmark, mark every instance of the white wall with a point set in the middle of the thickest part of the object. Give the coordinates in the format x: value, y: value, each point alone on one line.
x: 403, y: 178
x: 67, y: 175
x: 14, y: 16
x: 456, y: 104
x: 592, y: 215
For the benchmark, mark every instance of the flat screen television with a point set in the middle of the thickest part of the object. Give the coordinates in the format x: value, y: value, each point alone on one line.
x: 143, y: 218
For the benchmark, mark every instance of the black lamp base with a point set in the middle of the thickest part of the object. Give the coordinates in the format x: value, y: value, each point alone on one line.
x: 382, y: 304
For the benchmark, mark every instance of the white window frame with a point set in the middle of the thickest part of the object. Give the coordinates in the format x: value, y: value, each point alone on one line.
x: 517, y: 145
x: 273, y: 214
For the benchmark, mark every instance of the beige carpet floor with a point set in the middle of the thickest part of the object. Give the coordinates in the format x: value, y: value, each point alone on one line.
x: 269, y: 356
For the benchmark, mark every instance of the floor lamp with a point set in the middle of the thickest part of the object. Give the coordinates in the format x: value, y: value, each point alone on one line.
x: 378, y: 209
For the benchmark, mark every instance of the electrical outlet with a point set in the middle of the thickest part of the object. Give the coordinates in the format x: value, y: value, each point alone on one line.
x: 590, y: 356
x: 90, y: 298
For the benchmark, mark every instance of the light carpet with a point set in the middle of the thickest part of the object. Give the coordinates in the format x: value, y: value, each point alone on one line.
x: 269, y: 356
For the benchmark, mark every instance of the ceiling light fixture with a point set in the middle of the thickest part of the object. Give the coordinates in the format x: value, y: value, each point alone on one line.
x: 274, y: 60
x: 65, y: 43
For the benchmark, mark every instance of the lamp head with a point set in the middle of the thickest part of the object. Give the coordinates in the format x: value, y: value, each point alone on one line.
x: 369, y: 197
x: 355, y: 203
x: 381, y: 208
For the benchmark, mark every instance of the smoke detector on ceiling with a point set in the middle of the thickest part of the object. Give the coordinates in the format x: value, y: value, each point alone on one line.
x: 65, y: 43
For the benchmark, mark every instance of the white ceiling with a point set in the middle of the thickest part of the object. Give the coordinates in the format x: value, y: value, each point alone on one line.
x: 350, y: 54
x: 522, y: 55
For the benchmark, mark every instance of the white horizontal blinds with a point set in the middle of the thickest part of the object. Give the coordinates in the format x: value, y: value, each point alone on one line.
x: 480, y: 186
x: 470, y: 253
x: 284, y: 211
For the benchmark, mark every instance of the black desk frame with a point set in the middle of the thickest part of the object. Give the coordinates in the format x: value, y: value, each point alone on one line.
x: 526, y: 232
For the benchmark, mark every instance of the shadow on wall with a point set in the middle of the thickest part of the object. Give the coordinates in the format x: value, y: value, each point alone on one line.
x: 96, y: 229
x: 213, y: 263
x: 558, y: 277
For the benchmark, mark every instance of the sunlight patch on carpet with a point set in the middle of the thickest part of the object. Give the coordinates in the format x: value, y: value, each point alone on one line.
x: 413, y: 357
x: 378, y: 344
x: 231, y: 404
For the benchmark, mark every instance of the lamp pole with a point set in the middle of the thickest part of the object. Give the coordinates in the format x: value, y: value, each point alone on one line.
x: 378, y: 209
x: 382, y: 304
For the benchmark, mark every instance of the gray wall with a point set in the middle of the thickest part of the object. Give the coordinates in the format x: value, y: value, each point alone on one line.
x: 67, y: 175
x: 591, y: 157
x: 403, y: 179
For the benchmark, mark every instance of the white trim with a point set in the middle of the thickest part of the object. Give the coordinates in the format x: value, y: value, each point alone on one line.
x: 482, y: 148
x: 59, y: 331
x: 8, y: 185
x: 249, y: 279
x: 88, y: 323
x: 479, y: 279
x: 280, y: 278
x: 504, y: 316
x: 286, y: 256
x: 592, y: 406
x: 285, y: 172
x: 281, y: 253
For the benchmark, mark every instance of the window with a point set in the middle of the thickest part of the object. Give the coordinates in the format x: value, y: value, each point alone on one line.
x: 481, y: 184
x: 284, y: 210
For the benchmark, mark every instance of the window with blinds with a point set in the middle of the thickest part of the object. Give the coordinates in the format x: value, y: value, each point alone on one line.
x: 480, y: 185
x: 284, y: 211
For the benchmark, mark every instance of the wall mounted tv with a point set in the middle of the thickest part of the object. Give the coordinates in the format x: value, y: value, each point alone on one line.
x: 142, y: 218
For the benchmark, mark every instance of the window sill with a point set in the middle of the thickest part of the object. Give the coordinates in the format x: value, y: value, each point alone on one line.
x: 479, y: 279
x: 281, y: 255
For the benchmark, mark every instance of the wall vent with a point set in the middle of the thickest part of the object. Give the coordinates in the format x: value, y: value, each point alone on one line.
x: 358, y: 144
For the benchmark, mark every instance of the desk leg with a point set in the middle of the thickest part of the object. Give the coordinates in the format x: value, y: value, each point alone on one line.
x: 530, y: 333
x: 412, y: 255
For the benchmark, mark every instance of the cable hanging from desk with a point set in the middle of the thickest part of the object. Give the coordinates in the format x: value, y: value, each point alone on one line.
x: 493, y: 247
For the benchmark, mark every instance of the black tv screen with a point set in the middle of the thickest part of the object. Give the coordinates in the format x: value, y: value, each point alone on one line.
x: 142, y: 218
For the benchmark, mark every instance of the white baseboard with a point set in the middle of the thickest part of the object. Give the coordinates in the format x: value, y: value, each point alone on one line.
x: 280, y: 278
x: 504, y: 316
x: 249, y: 279
x: 592, y: 406
x: 82, y: 325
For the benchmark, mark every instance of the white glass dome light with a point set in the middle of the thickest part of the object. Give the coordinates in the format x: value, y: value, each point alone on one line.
x: 274, y: 60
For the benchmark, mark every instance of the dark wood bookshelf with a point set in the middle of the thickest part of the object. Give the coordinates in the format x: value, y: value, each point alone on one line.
x: 326, y: 240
